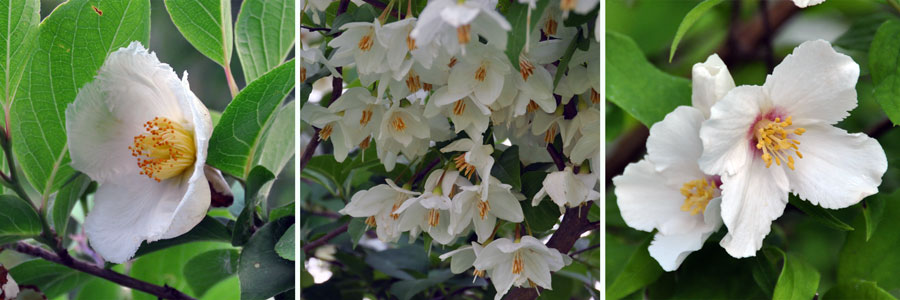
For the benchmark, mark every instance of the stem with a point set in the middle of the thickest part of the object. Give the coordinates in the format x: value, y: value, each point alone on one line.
x: 337, y: 87
x: 557, y: 158
x: 895, y: 4
x: 424, y: 171
x: 232, y: 86
x: 162, y: 292
x: 325, y: 238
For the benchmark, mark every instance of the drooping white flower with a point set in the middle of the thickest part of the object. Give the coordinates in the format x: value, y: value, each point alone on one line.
x: 477, y: 157
x: 430, y: 212
x: 525, y: 262
x: 360, y: 116
x: 311, y: 61
x: 766, y: 141
x: 462, y: 259
x: 379, y: 206
x: 535, y: 86
x: 402, y: 125
x: 567, y: 189
x: 481, y: 205
x: 587, y: 124
x: 668, y: 192
x: 805, y: 3
x: 9, y: 289
x: 357, y: 44
x: 139, y: 131
x: 456, y: 25
x: 466, y: 114
x: 480, y: 74
x: 330, y: 127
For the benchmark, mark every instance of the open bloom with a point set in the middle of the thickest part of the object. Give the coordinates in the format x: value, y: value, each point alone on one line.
x: 567, y: 189
x: 462, y: 259
x: 358, y: 44
x: 455, y: 24
x: 477, y: 157
x: 379, y: 206
x: 524, y: 262
x: 140, y: 132
x: 766, y: 141
x: 481, y: 208
x: 430, y: 212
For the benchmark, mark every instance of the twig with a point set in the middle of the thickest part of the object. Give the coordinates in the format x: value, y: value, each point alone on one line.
x: 589, y: 248
x: 307, y: 153
x: 557, y: 158
x: 767, y: 36
x: 162, y: 292
x: 315, y: 28
x: 880, y: 128
x: 745, y: 39
x: 325, y: 238
x: 628, y: 149
x: 421, y: 174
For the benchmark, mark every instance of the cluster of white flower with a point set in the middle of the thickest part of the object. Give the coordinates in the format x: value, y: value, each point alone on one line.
x: 449, y: 67
x: 735, y: 155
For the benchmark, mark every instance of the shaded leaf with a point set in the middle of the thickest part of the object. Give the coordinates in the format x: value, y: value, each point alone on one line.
x: 208, y: 230
x: 262, y: 272
x: 689, y: 19
x: 285, y: 245
x: 264, y: 35
x: 19, y: 220
x: 206, y: 24
x: 205, y: 270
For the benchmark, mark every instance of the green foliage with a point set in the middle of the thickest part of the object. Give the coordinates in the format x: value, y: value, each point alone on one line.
x: 507, y: 167
x: 884, y: 64
x: 356, y: 229
x: 521, y: 18
x: 876, y: 259
x: 256, y: 180
x: 264, y: 34
x: 858, y: 289
x: 206, y: 24
x: 689, y: 19
x: 65, y: 200
x: 798, y: 280
x: 167, y: 266
x: 406, y: 289
x: 205, y: 270
x: 17, y: 42
x: 239, y: 132
x: 53, y: 279
x: 73, y: 43
x: 639, y: 271
x: 98, y: 288
x: 209, y: 229
x: 285, y: 245
x: 820, y: 214
x: 262, y: 272
x: 20, y: 221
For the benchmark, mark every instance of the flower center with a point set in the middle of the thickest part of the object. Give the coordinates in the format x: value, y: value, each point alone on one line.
x: 478, y: 273
x: 366, y: 42
x: 483, y: 208
x: 434, y: 216
x: 525, y: 68
x: 366, y: 117
x: 398, y: 124
x: 566, y: 5
x: 302, y: 74
x: 518, y: 265
x: 532, y: 106
x: 410, y: 43
x: 412, y: 81
x: 165, y: 150
x: 459, y: 107
x: 550, y: 134
x: 462, y: 34
x: 365, y: 143
x: 481, y: 73
x: 550, y: 27
x: 595, y: 96
x: 325, y: 133
x: 772, y: 139
x: 697, y: 194
x: 452, y: 62
x: 463, y: 166
x: 370, y: 221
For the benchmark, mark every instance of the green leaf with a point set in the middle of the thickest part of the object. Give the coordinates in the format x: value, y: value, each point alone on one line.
x: 20, y: 221
x: 208, y: 230
x: 72, y: 44
x: 264, y: 34
x: 884, y: 53
x: 858, y: 289
x: 873, y: 208
x: 206, y: 24
x: 205, y: 270
x: 278, y: 144
x: 689, y: 19
x: 239, y: 132
x: 285, y: 245
x: 638, y: 87
x: 887, y: 94
x: 17, y: 42
x: 639, y: 271
x: 262, y: 272
x: 65, y: 200
x: 356, y: 229
x: 258, y: 178
x: 406, y: 289
x: 229, y: 288
x: 241, y: 233
x: 542, y: 217
x: 281, y: 212
x: 51, y: 278
x: 507, y: 167
x: 166, y: 267
x: 862, y: 31
x: 798, y: 280
x: 99, y: 288
x: 566, y: 58
x: 876, y: 259
x: 820, y: 214
x: 517, y: 15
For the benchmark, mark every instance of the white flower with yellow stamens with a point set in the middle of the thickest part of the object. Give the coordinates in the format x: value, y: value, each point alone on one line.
x: 456, y: 25
x: 380, y: 205
x: 525, y: 262
x: 549, y: 125
x: 465, y: 113
x: 331, y: 128
x: 462, y: 259
x: 477, y: 158
x: 582, y: 76
x: 587, y: 144
x: 535, y: 86
x: 567, y: 189
x: 430, y: 212
x: 481, y: 205
x: 766, y: 141
x: 357, y: 44
x: 402, y: 125
x: 140, y: 132
x: 360, y: 116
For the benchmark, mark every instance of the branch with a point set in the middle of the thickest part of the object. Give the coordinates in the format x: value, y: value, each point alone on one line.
x: 325, y: 238
x: 747, y: 38
x: 629, y: 148
x: 337, y: 87
x: 421, y: 174
x: 162, y: 292
x: 557, y: 158
x: 880, y: 128
x: 315, y: 28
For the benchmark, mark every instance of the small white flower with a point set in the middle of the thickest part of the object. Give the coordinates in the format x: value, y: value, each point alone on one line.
x: 357, y: 44
x: 480, y: 74
x: 477, y: 157
x: 456, y: 24
x: 379, y: 205
x: 567, y: 189
x: 535, y: 86
x: 330, y: 128
x: 430, y: 212
x: 311, y: 61
x: 139, y: 131
x: 462, y: 259
x: 359, y: 114
x: 805, y: 3
x: 402, y: 124
x: 710, y: 82
x: 525, y: 262
x: 481, y: 205
x: 766, y: 141
x: 465, y: 113
x: 587, y: 123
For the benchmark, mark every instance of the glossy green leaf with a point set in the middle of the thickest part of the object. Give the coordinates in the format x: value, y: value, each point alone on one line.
x: 566, y: 58
x: 887, y: 94
x: 285, y: 245
x: 820, y: 214
x: 264, y: 35
x: 205, y: 270
x: 206, y: 24
x: 65, y: 200
x: 857, y: 289
x: 73, y: 43
x: 689, y: 19
x: 51, y: 278
x: 639, y: 271
x: 228, y: 289
x: 278, y: 144
x: 282, y: 212
x: 638, y: 87
x: 20, y: 20
x: 262, y: 272
x: 798, y: 280
x: 258, y: 178
x: 517, y: 15
x: 166, y: 267
x: 239, y: 132
x: 99, y: 288
x: 884, y: 53
x: 507, y: 167
x: 19, y: 220
x: 356, y: 229
x: 873, y: 208
x: 876, y: 259
x: 209, y: 229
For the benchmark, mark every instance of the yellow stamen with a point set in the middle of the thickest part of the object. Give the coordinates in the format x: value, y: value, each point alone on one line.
x: 325, y: 133
x: 434, y: 216
x: 525, y: 68
x: 452, y: 62
x: 532, y: 106
x: 459, y: 107
x: 410, y: 43
x: 463, y: 166
x: 366, y: 42
x: 567, y: 5
x: 463, y: 34
x: 398, y: 124
x: 426, y: 87
x: 478, y: 273
x: 365, y: 143
x: 483, y: 208
x: 165, y: 150
x: 412, y: 81
x: 518, y: 265
x: 370, y: 221
x: 697, y: 194
x: 550, y: 27
x: 481, y: 73
x: 772, y: 138
x: 366, y: 117
x: 550, y: 134
x: 302, y: 74
x: 595, y: 96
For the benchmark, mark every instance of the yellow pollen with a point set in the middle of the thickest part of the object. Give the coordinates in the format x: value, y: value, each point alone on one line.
x: 433, y: 217
x: 426, y: 87
x: 459, y: 107
x: 325, y: 133
x: 165, y: 150
x: 478, y: 273
x: 550, y: 134
x: 412, y: 81
x: 550, y: 27
x: 697, y: 194
x: 567, y: 5
x: 366, y: 117
x: 518, y: 265
x: 452, y: 62
x: 772, y: 139
x: 483, y: 208
x: 366, y: 42
x: 481, y: 73
x: 595, y: 96
x: 532, y: 106
x: 410, y: 43
x: 398, y: 124
x: 463, y: 34
x: 370, y: 221
x: 525, y: 68
x: 302, y: 74
x: 365, y: 143
x: 463, y: 166
x: 397, y: 203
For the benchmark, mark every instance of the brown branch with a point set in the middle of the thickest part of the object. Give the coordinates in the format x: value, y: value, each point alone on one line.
x: 557, y: 158
x: 337, y: 87
x: 629, y: 149
x: 325, y: 238
x: 162, y: 292
x: 746, y: 38
x: 880, y: 128
x: 421, y: 174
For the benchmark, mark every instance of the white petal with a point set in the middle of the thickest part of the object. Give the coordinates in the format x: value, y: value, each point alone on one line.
x: 751, y: 200
x: 646, y: 202
x: 536, y: 269
x: 462, y: 212
x: 440, y: 232
x: 504, y: 205
x: 814, y: 83
x: 460, y: 259
x: 710, y: 82
x: 838, y: 169
x: 484, y: 227
x: 459, y: 15
x: 674, y: 142
x: 368, y: 202
x: 459, y: 145
x: 502, y: 278
x: 726, y: 144
x: 671, y: 250
x: 488, y: 90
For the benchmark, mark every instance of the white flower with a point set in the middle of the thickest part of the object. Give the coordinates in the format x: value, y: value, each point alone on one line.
x: 330, y: 128
x: 535, y: 86
x: 711, y: 81
x: 465, y: 113
x: 755, y: 132
x: 140, y: 132
x: 462, y: 258
x: 430, y: 212
x: 805, y: 3
x: 523, y: 262
x: 667, y: 192
x: 402, y: 124
x: 379, y: 206
x: 359, y: 116
x: 587, y: 123
x: 567, y: 189
x: 9, y: 289
x: 480, y: 74
x: 477, y: 157
x: 481, y: 205
x: 357, y: 44
x: 311, y: 61
x: 455, y: 24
